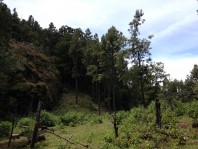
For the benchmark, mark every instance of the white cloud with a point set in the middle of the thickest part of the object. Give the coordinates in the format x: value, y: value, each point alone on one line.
x: 179, y: 68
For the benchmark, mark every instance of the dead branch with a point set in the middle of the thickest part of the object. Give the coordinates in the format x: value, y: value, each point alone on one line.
x: 84, y: 145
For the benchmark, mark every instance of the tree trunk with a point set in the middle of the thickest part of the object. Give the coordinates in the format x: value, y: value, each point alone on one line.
x: 142, y: 90
x: 158, y: 113
x: 115, y: 124
x: 113, y: 94
x: 13, y: 122
x: 114, y: 112
x: 76, y: 82
x: 141, y: 81
x: 99, y: 108
x: 109, y: 97
x: 93, y: 90
x: 36, y: 126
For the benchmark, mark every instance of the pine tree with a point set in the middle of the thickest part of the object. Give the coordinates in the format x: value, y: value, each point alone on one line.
x: 139, y: 51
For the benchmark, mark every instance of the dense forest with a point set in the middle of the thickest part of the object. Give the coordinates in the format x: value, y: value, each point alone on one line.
x: 44, y: 64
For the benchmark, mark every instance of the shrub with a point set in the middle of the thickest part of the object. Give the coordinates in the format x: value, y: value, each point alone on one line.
x: 192, y: 109
x: 96, y: 120
x: 48, y: 119
x: 109, y: 137
x: 121, y: 115
x: 25, y: 122
x: 169, y: 117
x: 122, y: 141
x: 179, y: 107
x: 195, y: 123
x: 73, y: 118
x: 69, y: 118
x: 5, y: 127
x: 109, y: 146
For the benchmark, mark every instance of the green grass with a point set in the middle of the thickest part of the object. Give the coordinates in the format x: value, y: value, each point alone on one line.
x: 68, y: 103
x: 91, y: 134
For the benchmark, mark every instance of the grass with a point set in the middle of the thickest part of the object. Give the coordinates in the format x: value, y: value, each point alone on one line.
x: 68, y: 103
x: 91, y: 134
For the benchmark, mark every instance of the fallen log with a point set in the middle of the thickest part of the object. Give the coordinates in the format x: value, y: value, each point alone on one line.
x: 74, y: 143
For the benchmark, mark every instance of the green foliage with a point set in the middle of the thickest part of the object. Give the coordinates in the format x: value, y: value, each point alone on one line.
x: 121, y: 115
x: 5, y: 128
x: 195, y: 123
x: 73, y: 118
x: 109, y: 146
x: 191, y: 109
x: 96, y: 120
x: 25, y: 122
x: 109, y: 137
x: 137, y: 128
x: 169, y: 117
x: 182, y: 108
x: 48, y: 119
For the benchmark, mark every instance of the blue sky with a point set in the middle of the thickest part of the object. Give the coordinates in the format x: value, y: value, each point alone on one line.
x: 172, y: 22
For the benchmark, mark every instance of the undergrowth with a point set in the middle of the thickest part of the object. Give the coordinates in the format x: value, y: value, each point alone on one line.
x: 137, y: 128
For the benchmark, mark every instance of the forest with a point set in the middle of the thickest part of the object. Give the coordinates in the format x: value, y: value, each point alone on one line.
x: 69, y: 88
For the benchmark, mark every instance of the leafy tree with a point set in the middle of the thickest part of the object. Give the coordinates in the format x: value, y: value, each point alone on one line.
x: 30, y: 31
x: 16, y: 26
x: 112, y: 42
x: 5, y: 25
x: 61, y: 56
x: 51, y: 37
x: 190, y: 87
x: 91, y: 61
x: 76, y: 53
x: 155, y: 80
x: 194, y: 73
x: 139, y: 51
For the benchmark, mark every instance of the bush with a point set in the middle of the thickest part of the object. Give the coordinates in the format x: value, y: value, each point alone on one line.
x: 5, y: 127
x: 179, y: 107
x: 109, y: 137
x: 96, y: 120
x: 48, y: 119
x: 121, y: 115
x: 25, y: 122
x: 122, y: 141
x: 195, y: 123
x: 169, y: 117
x: 73, y: 118
x: 192, y: 109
